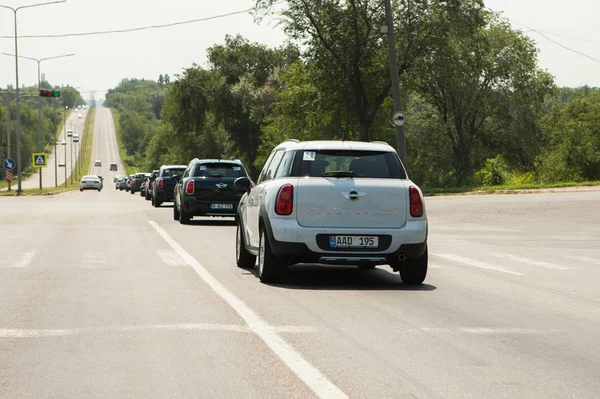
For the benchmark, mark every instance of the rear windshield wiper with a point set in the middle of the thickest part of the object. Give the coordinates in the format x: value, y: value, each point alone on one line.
x: 339, y: 173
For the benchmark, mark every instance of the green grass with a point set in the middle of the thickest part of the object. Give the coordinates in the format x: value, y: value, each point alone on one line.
x: 86, y: 148
x: 505, y: 189
x: 129, y: 169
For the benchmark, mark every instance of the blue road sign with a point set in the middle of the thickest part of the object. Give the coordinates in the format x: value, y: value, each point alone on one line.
x: 9, y: 163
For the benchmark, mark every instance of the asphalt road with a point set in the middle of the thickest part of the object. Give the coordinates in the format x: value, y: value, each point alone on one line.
x: 55, y: 175
x: 104, y: 296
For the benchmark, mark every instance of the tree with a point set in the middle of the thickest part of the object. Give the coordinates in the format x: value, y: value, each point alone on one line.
x: 167, y: 80
x: 484, y: 82
x: 161, y: 80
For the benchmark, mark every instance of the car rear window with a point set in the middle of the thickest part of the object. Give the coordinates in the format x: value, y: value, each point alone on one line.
x: 219, y: 169
x: 348, y: 163
x: 173, y: 172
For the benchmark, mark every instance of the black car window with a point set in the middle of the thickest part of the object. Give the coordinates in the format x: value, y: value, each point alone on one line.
x: 285, y: 165
x: 219, y: 169
x: 186, y: 173
x: 270, y: 173
x: 173, y: 172
x: 348, y: 163
x: 265, y: 167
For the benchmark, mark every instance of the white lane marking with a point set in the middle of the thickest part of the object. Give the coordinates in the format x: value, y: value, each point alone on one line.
x: 171, y: 258
x: 533, y: 262
x: 486, y: 330
x: 42, y: 333
x: 93, y: 259
x: 477, y: 263
x: 310, y: 375
x: 24, y: 260
x: 586, y: 259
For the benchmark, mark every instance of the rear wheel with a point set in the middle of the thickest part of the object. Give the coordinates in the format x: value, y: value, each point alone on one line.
x: 175, y: 211
x: 243, y: 258
x: 184, y: 217
x: 269, y: 266
x: 81, y: 189
x: 415, y: 270
x: 131, y: 192
x: 156, y: 203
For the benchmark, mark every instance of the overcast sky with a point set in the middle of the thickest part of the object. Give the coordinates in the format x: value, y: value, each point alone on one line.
x: 102, y: 61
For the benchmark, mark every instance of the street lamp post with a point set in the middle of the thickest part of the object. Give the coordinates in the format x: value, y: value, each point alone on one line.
x: 18, y: 116
x: 39, y: 61
x: 7, y: 102
x: 65, y: 140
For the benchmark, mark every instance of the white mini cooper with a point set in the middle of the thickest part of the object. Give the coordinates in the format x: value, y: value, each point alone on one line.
x: 332, y: 202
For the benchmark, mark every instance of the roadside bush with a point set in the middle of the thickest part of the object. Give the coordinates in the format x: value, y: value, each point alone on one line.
x: 493, y: 173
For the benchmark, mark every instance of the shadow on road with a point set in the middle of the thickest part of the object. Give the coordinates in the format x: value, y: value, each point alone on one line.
x: 316, y: 277
x: 212, y: 222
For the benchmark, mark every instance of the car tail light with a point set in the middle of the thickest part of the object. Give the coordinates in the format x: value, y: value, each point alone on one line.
x: 159, y: 183
x: 150, y: 184
x: 285, y: 200
x: 190, y: 187
x: 416, y: 203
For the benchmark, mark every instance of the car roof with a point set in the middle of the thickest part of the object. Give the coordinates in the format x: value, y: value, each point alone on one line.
x: 90, y: 176
x: 235, y: 161
x: 335, y: 145
x: 173, y: 166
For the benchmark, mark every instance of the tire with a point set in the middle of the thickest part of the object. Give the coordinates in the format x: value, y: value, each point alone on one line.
x: 184, y: 217
x: 99, y: 189
x: 156, y: 204
x: 131, y: 192
x: 142, y: 194
x: 415, y: 270
x: 147, y: 196
x: 81, y: 189
x: 243, y: 258
x: 175, y: 211
x: 269, y: 266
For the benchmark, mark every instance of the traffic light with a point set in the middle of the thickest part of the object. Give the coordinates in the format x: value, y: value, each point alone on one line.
x: 49, y: 93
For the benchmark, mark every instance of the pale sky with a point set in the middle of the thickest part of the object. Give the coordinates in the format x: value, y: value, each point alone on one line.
x: 102, y: 61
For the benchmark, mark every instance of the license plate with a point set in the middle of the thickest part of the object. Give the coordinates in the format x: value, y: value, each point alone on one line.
x: 353, y: 241
x: 221, y: 206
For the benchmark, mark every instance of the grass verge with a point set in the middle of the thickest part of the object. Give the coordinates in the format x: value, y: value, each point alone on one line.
x: 84, y: 159
x: 506, y: 189
x: 129, y: 168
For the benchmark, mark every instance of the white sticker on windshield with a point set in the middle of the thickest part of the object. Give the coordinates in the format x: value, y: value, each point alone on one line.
x: 236, y: 168
x: 202, y: 167
x: 309, y: 156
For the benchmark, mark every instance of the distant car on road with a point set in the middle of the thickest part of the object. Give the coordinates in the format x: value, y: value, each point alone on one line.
x: 80, y: 116
x: 61, y: 164
x: 332, y: 202
x: 90, y: 183
x: 113, y: 167
x: 150, y: 184
x: 70, y: 133
x: 135, y: 184
x: 98, y: 162
x: 206, y: 189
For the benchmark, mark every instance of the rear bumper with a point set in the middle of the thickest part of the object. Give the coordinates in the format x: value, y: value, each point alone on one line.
x: 162, y: 195
x: 296, y: 244
x: 195, y: 207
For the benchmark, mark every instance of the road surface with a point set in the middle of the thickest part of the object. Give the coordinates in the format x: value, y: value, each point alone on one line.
x: 49, y: 175
x: 104, y: 296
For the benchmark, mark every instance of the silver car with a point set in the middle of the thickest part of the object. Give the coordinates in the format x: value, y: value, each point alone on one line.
x: 90, y: 183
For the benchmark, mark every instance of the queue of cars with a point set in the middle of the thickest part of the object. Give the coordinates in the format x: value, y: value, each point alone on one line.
x: 326, y: 202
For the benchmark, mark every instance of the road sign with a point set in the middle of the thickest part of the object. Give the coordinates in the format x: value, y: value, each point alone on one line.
x: 38, y: 160
x: 9, y: 163
x: 399, y: 119
x: 8, y: 175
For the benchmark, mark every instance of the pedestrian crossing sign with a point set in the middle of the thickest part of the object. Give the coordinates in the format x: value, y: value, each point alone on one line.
x: 38, y: 160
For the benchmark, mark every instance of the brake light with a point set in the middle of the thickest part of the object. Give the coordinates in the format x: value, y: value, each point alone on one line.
x: 159, y: 183
x: 416, y: 203
x: 285, y: 200
x: 190, y: 187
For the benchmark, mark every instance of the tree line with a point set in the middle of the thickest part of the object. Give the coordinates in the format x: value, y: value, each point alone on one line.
x: 52, y: 116
x: 479, y: 109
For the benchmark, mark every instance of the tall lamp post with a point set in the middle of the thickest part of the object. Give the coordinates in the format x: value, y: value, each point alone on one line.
x: 18, y: 116
x: 65, y: 141
x: 7, y: 103
x: 39, y: 61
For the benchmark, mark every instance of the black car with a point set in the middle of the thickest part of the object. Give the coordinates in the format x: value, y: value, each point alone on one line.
x: 206, y: 189
x: 135, y: 184
x: 164, y: 184
x: 144, y: 185
x: 150, y: 183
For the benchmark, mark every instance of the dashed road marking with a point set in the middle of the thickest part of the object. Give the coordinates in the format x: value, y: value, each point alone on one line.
x: 477, y: 263
x: 44, y: 333
x: 586, y: 259
x: 533, y: 262
x: 171, y: 258
x: 93, y: 259
x: 17, y: 260
x: 309, y: 374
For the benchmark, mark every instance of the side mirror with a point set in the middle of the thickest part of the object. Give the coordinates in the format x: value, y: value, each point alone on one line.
x: 242, y: 183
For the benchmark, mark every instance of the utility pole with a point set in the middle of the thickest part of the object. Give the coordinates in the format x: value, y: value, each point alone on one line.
x: 400, y: 138
x: 55, y: 151
x: 8, y: 125
x: 65, y: 138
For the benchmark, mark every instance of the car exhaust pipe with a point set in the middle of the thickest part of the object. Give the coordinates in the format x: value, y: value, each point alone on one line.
x: 402, y: 257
